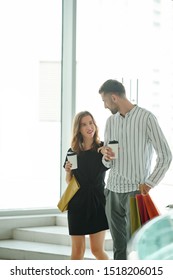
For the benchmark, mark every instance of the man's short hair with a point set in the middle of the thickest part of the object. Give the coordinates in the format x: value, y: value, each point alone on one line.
x: 112, y: 86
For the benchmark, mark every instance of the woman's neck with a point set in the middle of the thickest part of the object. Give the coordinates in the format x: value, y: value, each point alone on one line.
x: 87, y: 144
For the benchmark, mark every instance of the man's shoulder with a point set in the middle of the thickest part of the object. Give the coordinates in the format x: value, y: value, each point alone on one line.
x: 144, y: 111
x: 111, y: 117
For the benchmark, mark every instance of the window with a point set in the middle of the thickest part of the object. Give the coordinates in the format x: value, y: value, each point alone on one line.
x: 30, y: 58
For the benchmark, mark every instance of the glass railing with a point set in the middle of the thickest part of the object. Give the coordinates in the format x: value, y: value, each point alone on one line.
x: 154, y: 241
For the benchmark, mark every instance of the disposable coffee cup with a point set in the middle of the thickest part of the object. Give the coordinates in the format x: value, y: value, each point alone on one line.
x: 114, y: 146
x: 72, y: 158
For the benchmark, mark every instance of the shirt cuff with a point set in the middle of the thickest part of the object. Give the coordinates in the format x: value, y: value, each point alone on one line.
x: 149, y: 185
x: 106, y: 162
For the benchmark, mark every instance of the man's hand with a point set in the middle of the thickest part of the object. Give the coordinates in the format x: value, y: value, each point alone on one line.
x: 144, y: 189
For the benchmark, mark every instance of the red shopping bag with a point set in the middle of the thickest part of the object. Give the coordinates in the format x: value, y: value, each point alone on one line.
x: 144, y: 216
x: 150, y: 206
x: 142, y: 209
x: 147, y: 208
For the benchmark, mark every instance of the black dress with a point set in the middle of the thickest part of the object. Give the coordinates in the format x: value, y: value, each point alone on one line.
x: 86, y: 210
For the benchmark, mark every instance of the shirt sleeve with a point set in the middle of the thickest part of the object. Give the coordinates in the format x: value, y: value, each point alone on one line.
x: 162, y: 149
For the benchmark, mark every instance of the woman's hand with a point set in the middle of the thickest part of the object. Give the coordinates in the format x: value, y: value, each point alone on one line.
x: 108, y: 154
x: 68, y: 167
x: 101, y: 150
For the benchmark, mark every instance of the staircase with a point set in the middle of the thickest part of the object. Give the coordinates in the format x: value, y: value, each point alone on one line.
x: 39, y: 237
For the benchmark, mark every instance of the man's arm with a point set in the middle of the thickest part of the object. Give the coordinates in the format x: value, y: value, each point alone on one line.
x: 162, y: 149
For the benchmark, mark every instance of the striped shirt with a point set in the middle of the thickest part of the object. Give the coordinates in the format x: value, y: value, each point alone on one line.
x: 139, y: 135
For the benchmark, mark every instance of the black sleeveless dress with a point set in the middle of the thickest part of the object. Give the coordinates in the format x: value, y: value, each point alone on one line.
x: 86, y: 210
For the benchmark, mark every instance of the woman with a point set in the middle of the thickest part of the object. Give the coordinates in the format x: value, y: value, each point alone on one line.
x: 86, y: 210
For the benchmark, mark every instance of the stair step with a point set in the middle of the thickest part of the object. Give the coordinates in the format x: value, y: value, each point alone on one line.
x: 26, y: 250
x: 40, y: 237
x: 61, y: 219
x: 53, y: 235
x: 50, y: 234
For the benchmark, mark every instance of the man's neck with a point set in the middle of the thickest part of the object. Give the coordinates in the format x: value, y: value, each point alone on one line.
x: 126, y: 107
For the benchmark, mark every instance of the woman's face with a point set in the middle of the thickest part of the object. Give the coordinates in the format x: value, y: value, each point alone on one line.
x: 87, y: 127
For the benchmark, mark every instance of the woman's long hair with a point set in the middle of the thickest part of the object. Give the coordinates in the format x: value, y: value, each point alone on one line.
x: 77, y: 139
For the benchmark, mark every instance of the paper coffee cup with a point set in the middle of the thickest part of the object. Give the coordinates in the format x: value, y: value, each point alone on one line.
x: 72, y: 158
x: 114, y: 146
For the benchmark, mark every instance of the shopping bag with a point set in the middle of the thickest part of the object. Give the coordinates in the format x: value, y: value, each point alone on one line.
x: 144, y: 216
x: 68, y: 194
x: 135, y: 222
x: 142, y: 209
x: 150, y: 206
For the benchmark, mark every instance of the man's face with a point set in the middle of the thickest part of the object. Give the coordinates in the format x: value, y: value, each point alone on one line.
x: 109, y: 102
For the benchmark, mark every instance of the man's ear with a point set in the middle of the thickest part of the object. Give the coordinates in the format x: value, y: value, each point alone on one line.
x: 114, y: 98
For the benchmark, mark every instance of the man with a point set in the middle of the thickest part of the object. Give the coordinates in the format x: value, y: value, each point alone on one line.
x: 138, y: 134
